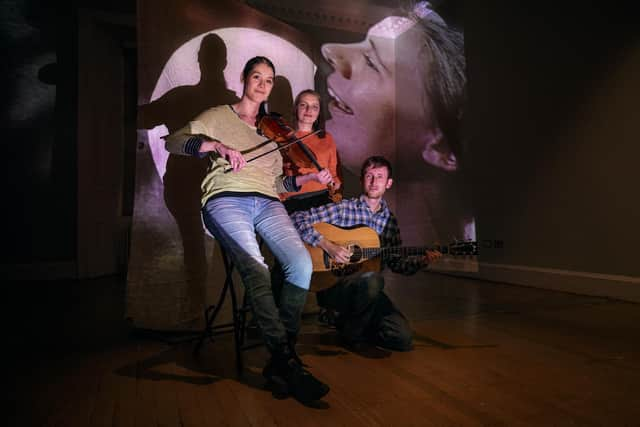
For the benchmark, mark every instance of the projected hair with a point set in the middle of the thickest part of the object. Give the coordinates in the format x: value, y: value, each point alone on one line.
x: 445, y: 65
x: 376, y: 162
x: 319, y: 121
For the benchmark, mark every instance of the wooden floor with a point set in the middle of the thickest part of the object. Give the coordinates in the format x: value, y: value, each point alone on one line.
x: 486, y: 354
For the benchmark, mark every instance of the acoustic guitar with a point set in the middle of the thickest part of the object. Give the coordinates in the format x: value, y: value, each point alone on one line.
x: 366, y: 254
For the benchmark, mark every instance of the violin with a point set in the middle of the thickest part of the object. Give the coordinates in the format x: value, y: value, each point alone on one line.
x: 274, y: 127
x: 283, y: 135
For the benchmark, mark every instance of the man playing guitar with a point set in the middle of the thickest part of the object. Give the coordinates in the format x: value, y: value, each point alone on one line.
x: 365, y: 314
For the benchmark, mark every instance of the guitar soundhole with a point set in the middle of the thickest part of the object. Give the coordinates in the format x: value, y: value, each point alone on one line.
x: 356, y: 255
x: 342, y: 270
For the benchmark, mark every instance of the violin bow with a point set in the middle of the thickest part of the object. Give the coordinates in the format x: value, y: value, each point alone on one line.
x: 307, y: 152
x: 281, y: 147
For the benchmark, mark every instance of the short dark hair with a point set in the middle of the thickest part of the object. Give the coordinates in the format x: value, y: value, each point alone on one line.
x: 248, y: 67
x: 376, y: 162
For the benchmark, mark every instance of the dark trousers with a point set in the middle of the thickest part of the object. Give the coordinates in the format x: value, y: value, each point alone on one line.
x: 307, y: 201
x: 365, y: 312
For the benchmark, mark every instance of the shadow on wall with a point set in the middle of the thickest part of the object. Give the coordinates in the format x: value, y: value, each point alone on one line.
x: 184, y: 174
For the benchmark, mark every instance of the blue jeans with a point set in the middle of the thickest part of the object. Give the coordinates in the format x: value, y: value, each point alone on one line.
x: 234, y: 222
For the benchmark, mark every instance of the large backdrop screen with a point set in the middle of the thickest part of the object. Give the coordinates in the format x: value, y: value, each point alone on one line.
x: 397, y: 92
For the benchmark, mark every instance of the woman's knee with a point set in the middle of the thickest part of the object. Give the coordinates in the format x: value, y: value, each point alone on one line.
x: 298, y: 270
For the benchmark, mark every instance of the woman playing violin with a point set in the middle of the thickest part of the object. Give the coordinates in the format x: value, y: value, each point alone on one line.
x: 318, y: 156
x: 322, y: 147
x: 238, y: 205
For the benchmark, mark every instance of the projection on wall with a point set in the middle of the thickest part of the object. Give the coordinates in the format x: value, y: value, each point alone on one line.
x: 381, y: 99
x: 203, y: 57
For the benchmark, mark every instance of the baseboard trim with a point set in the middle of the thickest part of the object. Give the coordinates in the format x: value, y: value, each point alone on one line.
x: 40, y: 271
x: 625, y: 288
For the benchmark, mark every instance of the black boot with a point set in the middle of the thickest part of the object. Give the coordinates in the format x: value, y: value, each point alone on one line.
x: 287, y: 377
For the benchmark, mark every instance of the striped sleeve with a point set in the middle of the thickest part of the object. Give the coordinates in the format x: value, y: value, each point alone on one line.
x: 289, y: 183
x: 187, y: 140
x: 192, y: 146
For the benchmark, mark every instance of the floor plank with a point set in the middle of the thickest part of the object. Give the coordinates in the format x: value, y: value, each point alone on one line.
x: 485, y: 354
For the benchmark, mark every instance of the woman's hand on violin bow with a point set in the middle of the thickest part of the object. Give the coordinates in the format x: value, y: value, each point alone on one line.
x: 234, y: 157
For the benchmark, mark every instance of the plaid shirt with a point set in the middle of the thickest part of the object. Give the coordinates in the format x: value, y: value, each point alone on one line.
x: 353, y: 212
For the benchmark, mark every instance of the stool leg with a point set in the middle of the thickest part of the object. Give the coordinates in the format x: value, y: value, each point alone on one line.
x: 238, y: 323
x: 211, y: 313
x: 237, y: 332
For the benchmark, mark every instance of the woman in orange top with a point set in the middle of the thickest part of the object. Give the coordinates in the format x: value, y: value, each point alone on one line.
x: 312, y: 193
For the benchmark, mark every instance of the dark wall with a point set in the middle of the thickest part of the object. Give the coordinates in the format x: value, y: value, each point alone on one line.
x: 552, y: 114
x: 38, y: 120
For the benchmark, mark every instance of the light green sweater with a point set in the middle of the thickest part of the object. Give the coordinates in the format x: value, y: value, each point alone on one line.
x: 221, y: 123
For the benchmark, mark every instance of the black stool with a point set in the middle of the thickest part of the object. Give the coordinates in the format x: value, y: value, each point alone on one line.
x: 238, y: 325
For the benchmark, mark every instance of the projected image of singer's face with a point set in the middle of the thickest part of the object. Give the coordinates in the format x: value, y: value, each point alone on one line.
x: 363, y: 90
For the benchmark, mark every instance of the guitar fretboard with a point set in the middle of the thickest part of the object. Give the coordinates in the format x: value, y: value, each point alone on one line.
x: 403, y: 251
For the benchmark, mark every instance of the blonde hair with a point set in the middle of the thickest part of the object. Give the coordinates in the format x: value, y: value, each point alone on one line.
x: 319, y: 120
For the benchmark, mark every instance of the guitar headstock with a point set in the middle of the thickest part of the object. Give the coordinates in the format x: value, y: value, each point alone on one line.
x: 460, y: 247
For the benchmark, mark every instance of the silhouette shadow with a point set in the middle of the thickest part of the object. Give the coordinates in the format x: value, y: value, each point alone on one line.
x: 281, y: 98
x: 184, y: 174
x: 206, y: 368
x: 212, y: 364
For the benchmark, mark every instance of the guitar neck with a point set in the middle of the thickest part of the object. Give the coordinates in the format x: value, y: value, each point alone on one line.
x: 403, y: 251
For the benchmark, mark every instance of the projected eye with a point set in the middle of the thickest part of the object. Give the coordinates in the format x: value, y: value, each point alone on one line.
x: 370, y: 62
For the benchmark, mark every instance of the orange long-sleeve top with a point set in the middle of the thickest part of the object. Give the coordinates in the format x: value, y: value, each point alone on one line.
x: 324, y: 149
